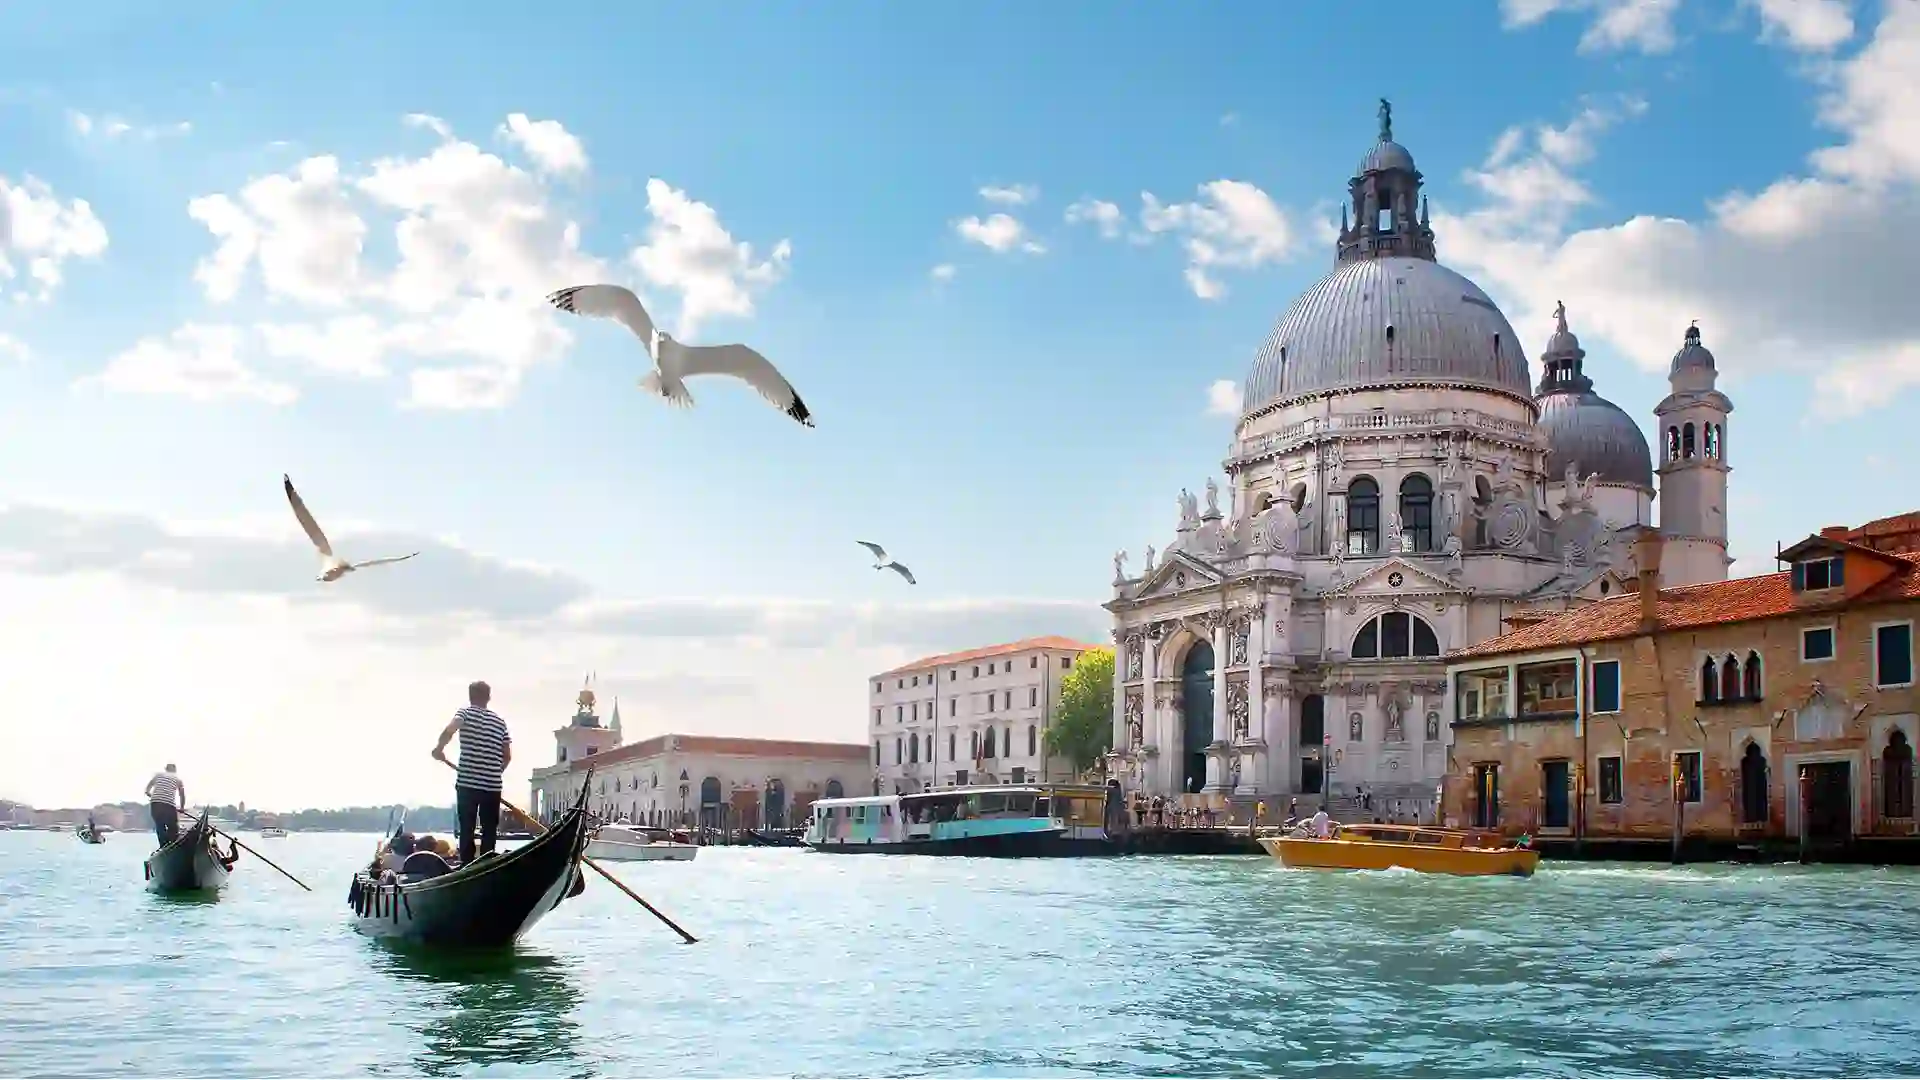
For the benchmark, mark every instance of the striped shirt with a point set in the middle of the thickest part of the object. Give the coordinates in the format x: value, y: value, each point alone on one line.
x: 484, y: 742
x: 165, y: 788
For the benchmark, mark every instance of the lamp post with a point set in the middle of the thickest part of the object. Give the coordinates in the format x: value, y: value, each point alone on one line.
x: 683, y: 800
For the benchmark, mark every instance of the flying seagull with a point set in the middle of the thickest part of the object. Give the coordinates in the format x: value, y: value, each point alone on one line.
x: 332, y: 567
x: 881, y: 562
x: 674, y: 363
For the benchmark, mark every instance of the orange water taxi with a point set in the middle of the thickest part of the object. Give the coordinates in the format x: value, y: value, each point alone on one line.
x: 1430, y: 850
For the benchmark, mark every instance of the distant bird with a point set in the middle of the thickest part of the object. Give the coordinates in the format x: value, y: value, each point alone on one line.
x: 674, y: 363
x: 332, y: 567
x: 881, y: 562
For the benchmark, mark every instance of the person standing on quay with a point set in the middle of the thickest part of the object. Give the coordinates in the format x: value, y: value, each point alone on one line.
x: 165, y: 795
x: 485, y: 749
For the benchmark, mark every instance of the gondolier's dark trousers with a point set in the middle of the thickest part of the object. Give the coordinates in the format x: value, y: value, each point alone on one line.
x: 166, y: 821
x: 469, y: 804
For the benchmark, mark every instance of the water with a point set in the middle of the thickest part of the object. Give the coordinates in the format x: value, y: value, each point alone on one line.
x: 816, y: 965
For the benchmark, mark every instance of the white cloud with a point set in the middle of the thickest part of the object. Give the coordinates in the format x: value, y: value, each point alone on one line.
x: 113, y: 127
x: 1234, y: 225
x: 300, y: 229
x: 1814, y: 26
x: 943, y: 272
x: 999, y: 233
x: 689, y: 252
x: 1223, y: 398
x: 551, y: 146
x: 39, y: 232
x: 351, y: 345
x: 13, y: 350
x: 1797, y: 276
x: 1010, y: 195
x: 1103, y: 215
x: 1645, y: 25
x: 227, y: 625
x: 196, y: 362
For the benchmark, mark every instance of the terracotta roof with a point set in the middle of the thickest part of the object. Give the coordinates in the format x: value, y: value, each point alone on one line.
x: 1716, y: 603
x: 720, y: 744
x: 1053, y: 642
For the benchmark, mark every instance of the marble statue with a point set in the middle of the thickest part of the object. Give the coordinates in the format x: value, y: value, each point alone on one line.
x: 1433, y: 727
x: 1355, y: 727
x: 1396, y: 724
x: 1148, y: 568
x: 1119, y: 567
x: 1213, y: 498
x: 1395, y: 534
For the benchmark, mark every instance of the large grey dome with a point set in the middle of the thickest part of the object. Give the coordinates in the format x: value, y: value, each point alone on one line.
x: 1583, y: 429
x: 1387, y: 321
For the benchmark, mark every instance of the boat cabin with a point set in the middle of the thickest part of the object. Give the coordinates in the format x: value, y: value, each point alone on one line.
x: 928, y: 819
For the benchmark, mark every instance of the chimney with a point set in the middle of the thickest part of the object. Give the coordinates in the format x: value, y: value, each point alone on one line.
x: 1835, y: 532
x: 1646, y: 558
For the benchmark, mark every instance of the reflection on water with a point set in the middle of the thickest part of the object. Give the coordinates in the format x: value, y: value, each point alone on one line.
x: 483, y: 1008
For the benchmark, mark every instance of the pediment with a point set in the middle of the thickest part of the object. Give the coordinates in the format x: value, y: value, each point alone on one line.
x: 1412, y: 581
x: 1179, y: 572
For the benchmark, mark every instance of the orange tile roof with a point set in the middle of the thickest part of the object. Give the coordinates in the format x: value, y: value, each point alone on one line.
x: 1054, y: 641
x: 1716, y: 603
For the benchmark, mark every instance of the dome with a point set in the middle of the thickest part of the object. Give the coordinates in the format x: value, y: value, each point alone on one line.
x: 1386, y: 321
x: 1692, y: 354
x: 1594, y: 435
x: 1386, y: 154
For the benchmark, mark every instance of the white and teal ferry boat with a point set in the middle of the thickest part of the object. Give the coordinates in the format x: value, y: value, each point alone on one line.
x: 1011, y: 820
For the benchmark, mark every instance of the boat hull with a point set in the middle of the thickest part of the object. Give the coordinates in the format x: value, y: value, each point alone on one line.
x: 189, y: 864
x: 1317, y: 854
x: 1025, y: 845
x: 488, y: 903
x: 658, y: 851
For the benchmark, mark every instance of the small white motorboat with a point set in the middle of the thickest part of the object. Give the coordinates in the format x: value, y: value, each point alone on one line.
x: 623, y: 843
x: 271, y: 832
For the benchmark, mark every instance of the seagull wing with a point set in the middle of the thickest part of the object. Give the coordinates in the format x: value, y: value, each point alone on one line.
x: 383, y: 562
x: 903, y: 572
x: 614, y: 302
x: 879, y: 553
x: 307, y: 523
x: 739, y: 362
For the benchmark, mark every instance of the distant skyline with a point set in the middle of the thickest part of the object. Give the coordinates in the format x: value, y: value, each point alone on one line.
x: 1016, y: 258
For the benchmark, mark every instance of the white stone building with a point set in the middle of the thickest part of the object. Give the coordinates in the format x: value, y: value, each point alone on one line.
x: 973, y: 717
x: 685, y: 779
x: 1396, y: 488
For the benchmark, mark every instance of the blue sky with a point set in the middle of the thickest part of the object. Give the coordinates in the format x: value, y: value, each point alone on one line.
x: 1003, y: 430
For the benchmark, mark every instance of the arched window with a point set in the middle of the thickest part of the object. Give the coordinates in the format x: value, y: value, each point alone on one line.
x: 834, y: 791
x: 1713, y: 441
x: 1730, y: 679
x: 1673, y: 444
x: 1363, y: 517
x: 1686, y: 439
x: 1896, y: 777
x: 929, y: 747
x: 913, y: 750
x: 1483, y: 502
x: 876, y: 754
x: 1298, y: 497
x: 989, y: 744
x: 1750, y: 684
x: 899, y: 749
x: 1416, y: 513
x: 1394, y: 635
x: 1709, y: 681
x: 950, y: 746
x: 1753, y: 786
x: 973, y: 744
x: 1033, y: 741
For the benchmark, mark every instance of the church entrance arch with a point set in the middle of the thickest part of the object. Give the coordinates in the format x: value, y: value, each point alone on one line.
x: 776, y: 804
x: 1313, y: 734
x: 1196, y: 715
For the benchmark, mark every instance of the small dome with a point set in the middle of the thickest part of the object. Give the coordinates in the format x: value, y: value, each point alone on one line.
x: 1386, y: 154
x: 1386, y: 321
x: 1692, y: 354
x: 1594, y: 435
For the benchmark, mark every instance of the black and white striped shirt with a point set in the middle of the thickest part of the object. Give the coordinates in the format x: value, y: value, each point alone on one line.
x: 483, y: 748
x: 165, y: 788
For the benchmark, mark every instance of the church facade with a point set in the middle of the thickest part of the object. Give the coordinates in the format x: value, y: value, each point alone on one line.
x: 1398, y: 486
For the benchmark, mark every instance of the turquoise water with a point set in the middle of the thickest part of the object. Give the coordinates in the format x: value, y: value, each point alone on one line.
x: 820, y: 965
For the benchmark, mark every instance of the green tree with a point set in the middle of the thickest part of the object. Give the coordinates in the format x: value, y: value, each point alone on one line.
x: 1082, y: 726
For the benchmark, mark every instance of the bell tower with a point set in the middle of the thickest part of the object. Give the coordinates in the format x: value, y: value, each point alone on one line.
x: 1693, y: 468
x: 1385, y: 196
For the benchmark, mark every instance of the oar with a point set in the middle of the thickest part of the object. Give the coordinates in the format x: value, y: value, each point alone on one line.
x: 598, y: 869
x: 211, y: 827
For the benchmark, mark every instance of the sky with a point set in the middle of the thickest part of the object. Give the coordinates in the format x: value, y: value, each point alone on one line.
x: 1016, y: 257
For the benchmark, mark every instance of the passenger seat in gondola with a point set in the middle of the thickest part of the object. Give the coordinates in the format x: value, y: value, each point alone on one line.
x: 422, y: 865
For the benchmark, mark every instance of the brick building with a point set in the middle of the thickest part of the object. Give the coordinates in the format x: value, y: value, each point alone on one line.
x: 1760, y: 700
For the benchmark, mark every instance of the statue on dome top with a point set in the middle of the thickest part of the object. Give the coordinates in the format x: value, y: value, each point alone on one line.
x: 1386, y: 120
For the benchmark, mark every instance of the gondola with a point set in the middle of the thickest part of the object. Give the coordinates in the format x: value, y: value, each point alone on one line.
x: 490, y: 902
x: 190, y: 864
x: 90, y: 835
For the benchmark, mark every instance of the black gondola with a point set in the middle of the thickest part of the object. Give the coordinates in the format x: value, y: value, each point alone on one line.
x: 488, y: 903
x: 190, y: 864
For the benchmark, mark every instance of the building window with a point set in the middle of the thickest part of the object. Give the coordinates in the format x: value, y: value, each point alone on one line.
x: 913, y: 749
x: 989, y: 701
x: 1394, y: 635
x: 1611, y: 786
x: 1816, y: 643
x: 976, y: 671
x: 1730, y: 679
x: 1363, y: 517
x: 953, y: 675
x: 1709, y: 682
x: 876, y: 717
x: 1810, y: 575
x: 1481, y: 695
x: 1750, y: 684
x: 1548, y: 689
x: 1687, y: 765
x: 950, y: 746
x: 929, y: 747
x: 899, y: 748
x: 1019, y: 775
x: 1033, y: 696
x: 1606, y: 686
x: 899, y: 713
x: 1416, y: 513
x: 987, y: 744
x: 1893, y: 655
x: 1032, y: 662
x: 1753, y: 786
x: 1896, y: 777
x: 916, y: 710
x: 973, y: 744
x: 1673, y: 444
x: 1033, y: 741
x: 1686, y: 439
x: 876, y: 757
x: 899, y: 684
x: 1066, y: 662
x: 989, y: 669
x: 1006, y: 700
x: 953, y: 706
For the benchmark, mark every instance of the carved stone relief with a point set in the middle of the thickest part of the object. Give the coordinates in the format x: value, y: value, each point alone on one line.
x: 1237, y: 642
x: 1356, y: 727
x: 1433, y: 726
x: 1237, y: 708
x: 1136, y: 730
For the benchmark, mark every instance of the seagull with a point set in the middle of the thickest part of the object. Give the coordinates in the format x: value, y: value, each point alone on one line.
x: 332, y: 567
x: 881, y: 562
x: 674, y: 363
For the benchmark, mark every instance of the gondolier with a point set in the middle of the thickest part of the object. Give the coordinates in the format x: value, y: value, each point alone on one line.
x: 485, y: 749
x: 166, y: 795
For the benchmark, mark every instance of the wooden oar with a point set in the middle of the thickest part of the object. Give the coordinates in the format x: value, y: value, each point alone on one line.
x: 211, y: 827
x: 602, y: 871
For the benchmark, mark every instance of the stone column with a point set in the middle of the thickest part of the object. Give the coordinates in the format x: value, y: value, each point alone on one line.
x: 1222, y: 727
x: 1256, y: 665
x: 1119, y: 724
x: 1150, y: 712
